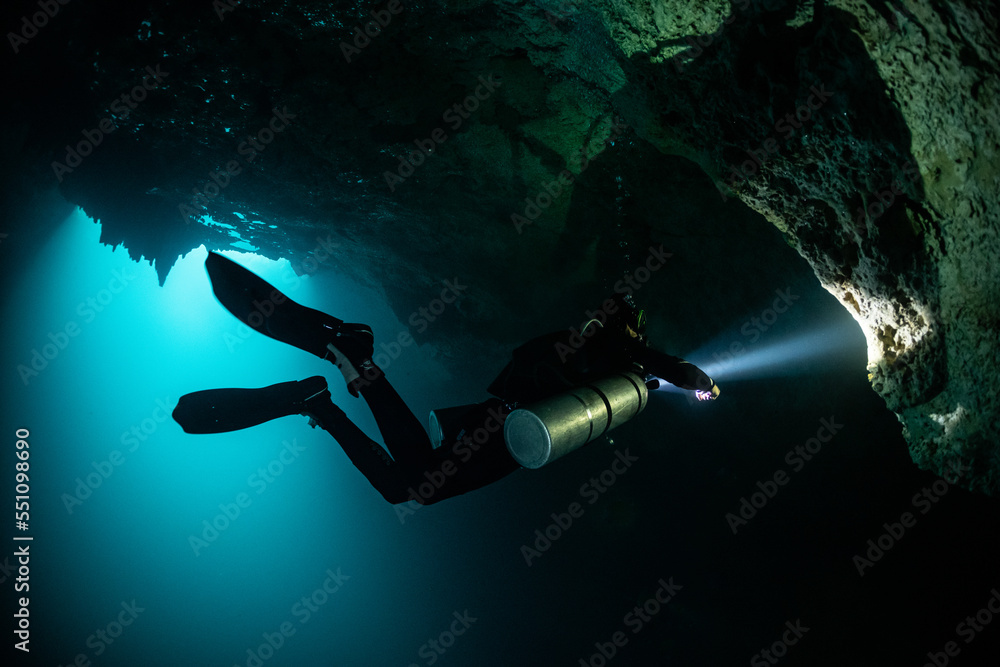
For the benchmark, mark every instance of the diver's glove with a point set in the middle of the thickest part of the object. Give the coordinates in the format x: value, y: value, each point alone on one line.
x: 709, y: 395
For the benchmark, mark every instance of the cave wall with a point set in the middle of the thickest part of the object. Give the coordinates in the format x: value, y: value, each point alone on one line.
x: 885, y: 185
x: 888, y: 190
x: 941, y: 70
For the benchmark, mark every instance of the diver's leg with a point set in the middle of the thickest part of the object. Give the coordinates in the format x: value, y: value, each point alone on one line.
x: 387, y: 476
x: 222, y: 410
x: 401, y: 431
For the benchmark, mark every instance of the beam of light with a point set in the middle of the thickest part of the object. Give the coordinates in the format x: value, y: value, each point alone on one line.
x: 667, y: 387
x: 794, y: 354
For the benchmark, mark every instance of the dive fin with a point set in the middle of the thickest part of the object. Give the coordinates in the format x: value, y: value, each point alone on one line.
x: 264, y: 308
x: 223, y: 410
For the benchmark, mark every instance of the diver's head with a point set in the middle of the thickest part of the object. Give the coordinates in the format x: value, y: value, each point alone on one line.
x: 627, y: 318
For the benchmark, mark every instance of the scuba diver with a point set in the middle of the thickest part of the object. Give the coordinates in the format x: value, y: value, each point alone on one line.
x: 471, y: 452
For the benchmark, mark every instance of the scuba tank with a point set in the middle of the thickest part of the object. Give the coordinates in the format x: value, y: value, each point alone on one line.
x: 448, y: 424
x: 550, y: 428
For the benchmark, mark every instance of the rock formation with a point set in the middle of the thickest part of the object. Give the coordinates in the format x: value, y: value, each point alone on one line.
x: 535, y: 148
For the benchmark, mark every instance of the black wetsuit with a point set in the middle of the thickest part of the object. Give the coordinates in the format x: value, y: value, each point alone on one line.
x: 477, y: 454
x: 564, y: 359
x: 417, y: 471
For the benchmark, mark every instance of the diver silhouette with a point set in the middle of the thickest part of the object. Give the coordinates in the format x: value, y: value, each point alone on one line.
x: 472, y: 451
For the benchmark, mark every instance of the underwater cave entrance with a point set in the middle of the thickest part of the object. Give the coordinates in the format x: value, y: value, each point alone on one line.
x: 733, y: 296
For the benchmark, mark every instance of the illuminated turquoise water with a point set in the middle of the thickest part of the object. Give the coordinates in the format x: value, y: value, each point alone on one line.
x: 266, y: 547
x: 215, y: 539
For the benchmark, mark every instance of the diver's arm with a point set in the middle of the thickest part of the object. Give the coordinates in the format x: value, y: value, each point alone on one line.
x: 678, y: 372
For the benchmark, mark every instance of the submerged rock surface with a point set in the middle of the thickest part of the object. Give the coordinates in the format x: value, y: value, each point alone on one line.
x: 538, y: 151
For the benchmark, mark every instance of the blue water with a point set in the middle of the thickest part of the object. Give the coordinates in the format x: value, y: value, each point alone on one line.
x: 119, y: 492
x: 266, y: 547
